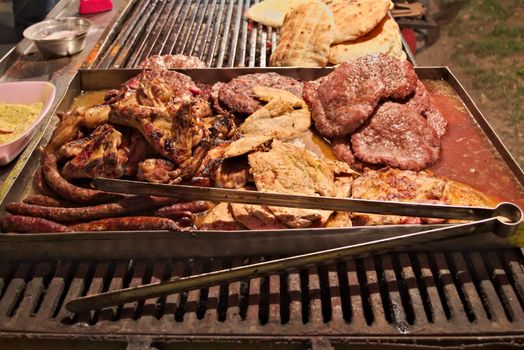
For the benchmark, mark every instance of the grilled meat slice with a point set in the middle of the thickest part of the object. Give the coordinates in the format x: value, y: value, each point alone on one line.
x: 291, y: 169
x: 285, y: 116
x: 171, y: 62
x: 397, y: 136
x: 409, y: 186
x: 256, y: 217
x: 347, y: 97
x: 100, y: 157
x: 238, y: 96
x: 220, y: 218
x: 232, y: 173
x: 396, y: 185
x: 419, y: 100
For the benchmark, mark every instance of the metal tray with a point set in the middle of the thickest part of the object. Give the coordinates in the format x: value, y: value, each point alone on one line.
x: 159, y: 244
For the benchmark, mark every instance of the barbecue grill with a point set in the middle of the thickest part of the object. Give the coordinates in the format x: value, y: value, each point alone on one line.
x: 415, y: 299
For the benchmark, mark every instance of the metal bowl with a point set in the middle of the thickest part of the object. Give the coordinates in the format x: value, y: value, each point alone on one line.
x: 59, y: 37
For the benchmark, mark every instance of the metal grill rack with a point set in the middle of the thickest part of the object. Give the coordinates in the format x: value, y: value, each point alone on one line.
x: 214, y: 31
x: 444, y: 298
x: 421, y: 298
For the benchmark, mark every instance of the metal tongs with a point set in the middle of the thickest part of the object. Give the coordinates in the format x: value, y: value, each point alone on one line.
x: 503, y: 221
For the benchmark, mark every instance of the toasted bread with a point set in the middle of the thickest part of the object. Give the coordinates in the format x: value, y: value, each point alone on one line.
x: 355, y: 18
x: 305, y: 37
x: 384, y: 38
x: 271, y: 12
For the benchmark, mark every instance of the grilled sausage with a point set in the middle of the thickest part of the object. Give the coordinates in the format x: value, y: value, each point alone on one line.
x: 69, y: 191
x: 182, y: 209
x: 28, y: 224
x: 128, y: 223
x: 40, y: 185
x: 46, y: 201
x: 125, y: 206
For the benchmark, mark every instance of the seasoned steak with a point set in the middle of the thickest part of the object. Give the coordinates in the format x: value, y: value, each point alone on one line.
x: 172, y: 61
x: 238, y: 95
x: 347, y: 97
x: 419, y: 101
x: 397, y: 136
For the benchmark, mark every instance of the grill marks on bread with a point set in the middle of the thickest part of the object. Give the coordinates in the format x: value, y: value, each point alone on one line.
x: 305, y: 37
x: 355, y: 18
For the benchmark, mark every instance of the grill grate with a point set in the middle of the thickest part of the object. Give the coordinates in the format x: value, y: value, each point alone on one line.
x: 429, y: 294
x: 215, y: 31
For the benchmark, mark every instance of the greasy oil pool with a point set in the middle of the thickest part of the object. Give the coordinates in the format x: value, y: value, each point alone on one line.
x: 466, y: 153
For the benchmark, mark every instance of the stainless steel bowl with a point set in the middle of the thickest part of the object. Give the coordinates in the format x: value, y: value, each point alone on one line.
x: 59, y: 37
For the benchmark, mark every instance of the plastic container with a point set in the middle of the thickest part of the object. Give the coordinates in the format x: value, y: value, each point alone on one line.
x: 25, y: 92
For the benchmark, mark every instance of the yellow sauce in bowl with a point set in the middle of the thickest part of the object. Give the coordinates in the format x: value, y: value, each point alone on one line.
x: 15, y: 119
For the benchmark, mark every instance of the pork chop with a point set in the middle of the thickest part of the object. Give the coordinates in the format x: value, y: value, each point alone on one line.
x: 347, y: 97
x: 287, y: 168
x: 220, y: 218
x: 256, y: 217
x: 285, y: 116
x: 396, y: 185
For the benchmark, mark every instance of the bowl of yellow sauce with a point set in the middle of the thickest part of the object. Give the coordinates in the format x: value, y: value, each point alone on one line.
x: 23, y: 106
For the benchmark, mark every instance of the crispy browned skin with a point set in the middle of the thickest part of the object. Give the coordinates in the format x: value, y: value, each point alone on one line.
x: 28, y: 224
x: 69, y: 191
x: 125, y: 206
x: 39, y: 199
x: 182, y: 209
x: 129, y: 223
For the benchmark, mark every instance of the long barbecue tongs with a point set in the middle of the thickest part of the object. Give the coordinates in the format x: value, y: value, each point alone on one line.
x: 503, y: 220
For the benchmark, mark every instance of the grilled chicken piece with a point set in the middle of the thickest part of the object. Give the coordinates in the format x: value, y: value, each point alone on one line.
x: 166, y: 110
x: 291, y: 169
x: 157, y: 171
x: 285, y: 116
x: 70, y: 123
x: 409, y: 186
x: 100, y: 156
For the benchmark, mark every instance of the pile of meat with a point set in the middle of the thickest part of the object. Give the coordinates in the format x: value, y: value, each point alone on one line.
x: 377, y: 112
x: 162, y: 127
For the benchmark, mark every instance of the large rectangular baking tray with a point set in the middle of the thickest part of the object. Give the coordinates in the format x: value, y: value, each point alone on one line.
x: 140, y: 244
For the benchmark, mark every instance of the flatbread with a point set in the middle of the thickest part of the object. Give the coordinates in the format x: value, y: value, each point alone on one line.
x: 356, y: 18
x: 384, y: 38
x: 305, y: 37
x: 271, y: 12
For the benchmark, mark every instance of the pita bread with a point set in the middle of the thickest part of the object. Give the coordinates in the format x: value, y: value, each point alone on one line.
x: 271, y: 12
x: 305, y: 37
x: 385, y: 38
x: 355, y: 18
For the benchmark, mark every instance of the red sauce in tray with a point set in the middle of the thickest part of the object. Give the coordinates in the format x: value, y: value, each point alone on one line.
x: 468, y: 156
